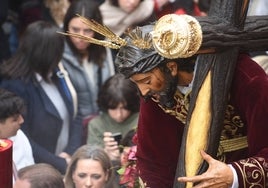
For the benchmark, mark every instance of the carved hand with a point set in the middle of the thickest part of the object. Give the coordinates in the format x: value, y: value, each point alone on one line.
x: 218, y: 175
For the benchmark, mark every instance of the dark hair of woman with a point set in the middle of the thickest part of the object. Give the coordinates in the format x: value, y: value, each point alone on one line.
x: 187, y: 5
x: 117, y: 89
x: 115, y: 2
x: 40, y: 50
x: 89, y: 10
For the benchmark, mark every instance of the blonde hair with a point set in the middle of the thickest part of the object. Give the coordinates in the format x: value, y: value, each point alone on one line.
x: 58, y: 9
x: 41, y: 175
x: 88, y: 152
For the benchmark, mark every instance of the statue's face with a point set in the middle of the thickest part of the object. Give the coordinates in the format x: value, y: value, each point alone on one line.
x: 158, y: 85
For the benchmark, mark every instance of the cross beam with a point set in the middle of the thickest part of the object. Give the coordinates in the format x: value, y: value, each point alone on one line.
x: 226, y: 31
x: 220, y: 35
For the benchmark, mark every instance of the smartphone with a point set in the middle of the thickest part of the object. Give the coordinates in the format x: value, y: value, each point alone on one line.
x: 117, y: 137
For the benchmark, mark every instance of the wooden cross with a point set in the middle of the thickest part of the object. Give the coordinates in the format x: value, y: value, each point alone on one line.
x: 226, y: 31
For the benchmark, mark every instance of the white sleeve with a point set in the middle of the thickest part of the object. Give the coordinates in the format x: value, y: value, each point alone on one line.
x: 235, y: 178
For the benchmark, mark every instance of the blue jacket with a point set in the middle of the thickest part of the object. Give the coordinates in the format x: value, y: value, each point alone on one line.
x: 42, y: 123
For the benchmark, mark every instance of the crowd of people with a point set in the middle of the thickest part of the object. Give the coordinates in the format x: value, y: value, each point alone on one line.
x: 63, y: 99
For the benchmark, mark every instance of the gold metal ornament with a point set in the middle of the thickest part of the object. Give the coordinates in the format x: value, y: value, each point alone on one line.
x: 177, y: 36
x: 112, y: 40
x: 173, y: 36
x: 137, y: 38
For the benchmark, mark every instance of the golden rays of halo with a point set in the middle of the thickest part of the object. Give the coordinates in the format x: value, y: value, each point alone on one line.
x: 138, y: 40
x: 112, y: 40
x: 103, y: 30
x: 173, y: 36
x: 92, y: 40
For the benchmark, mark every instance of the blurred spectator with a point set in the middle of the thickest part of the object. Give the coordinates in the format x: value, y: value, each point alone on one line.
x: 99, y: 1
x: 118, y: 100
x: 89, y: 65
x: 204, y: 6
x: 21, y: 13
x: 258, y: 8
x: 90, y: 166
x: 39, y: 176
x: 120, y: 15
x: 29, y: 11
x: 190, y: 7
x: 4, y: 45
x: 12, y: 108
x: 55, y: 11
x: 163, y: 7
x: 33, y: 74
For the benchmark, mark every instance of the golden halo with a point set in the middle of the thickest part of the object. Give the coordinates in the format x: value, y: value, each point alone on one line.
x: 177, y: 36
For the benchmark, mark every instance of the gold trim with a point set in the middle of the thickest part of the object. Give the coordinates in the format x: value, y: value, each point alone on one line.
x: 181, y: 109
x: 177, y: 36
x: 114, y: 41
x: 138, y: 39
x: 253, y: 171
x: 234, y: 144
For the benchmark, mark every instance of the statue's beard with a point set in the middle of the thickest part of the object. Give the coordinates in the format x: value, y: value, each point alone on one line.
x: 166, y: 97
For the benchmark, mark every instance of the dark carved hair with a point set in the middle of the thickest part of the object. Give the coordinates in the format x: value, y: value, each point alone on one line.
x: 117, y: 89
x: 40, y: 50
x: 10, y: 104
x: 132, y: 60
x: 89, y: 10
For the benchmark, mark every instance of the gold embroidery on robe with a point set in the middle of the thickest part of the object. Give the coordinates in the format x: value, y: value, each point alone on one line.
x: 254, y: 172
x: 181, y: 109
x: 232, y: 136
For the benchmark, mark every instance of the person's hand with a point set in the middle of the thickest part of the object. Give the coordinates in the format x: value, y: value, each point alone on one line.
x: 66, y: 156
x: 111, y: 146
x: 218, y: 174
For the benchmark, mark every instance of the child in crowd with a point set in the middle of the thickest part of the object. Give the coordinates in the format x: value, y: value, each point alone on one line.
x: 118, y: 101
x: 12, y: 108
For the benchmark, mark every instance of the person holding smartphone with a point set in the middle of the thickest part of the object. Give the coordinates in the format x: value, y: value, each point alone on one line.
x: 118, y: 101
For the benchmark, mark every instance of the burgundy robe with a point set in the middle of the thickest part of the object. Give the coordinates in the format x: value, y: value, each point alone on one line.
x: 160, y: 134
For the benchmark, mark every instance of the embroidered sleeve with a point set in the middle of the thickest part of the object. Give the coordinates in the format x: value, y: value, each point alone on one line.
x: 252, y: 172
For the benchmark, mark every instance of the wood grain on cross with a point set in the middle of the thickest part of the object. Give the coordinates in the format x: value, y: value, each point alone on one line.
x: 226, y: 32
